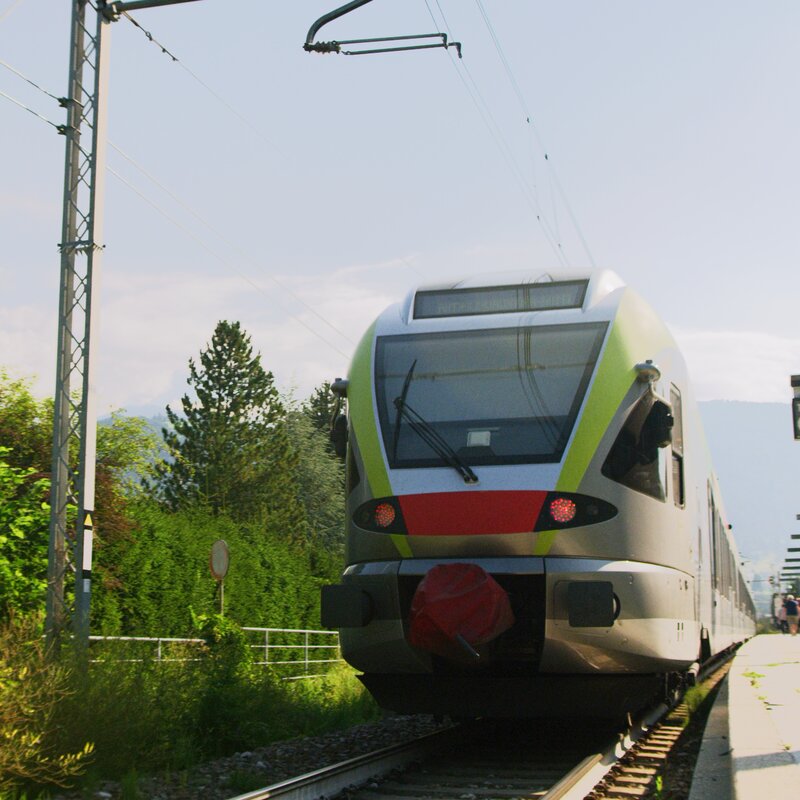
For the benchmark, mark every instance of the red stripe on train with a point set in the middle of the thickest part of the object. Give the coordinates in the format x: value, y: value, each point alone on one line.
x: 470, y: 513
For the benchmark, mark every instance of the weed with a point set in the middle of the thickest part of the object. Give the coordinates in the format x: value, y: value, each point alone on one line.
x: 33, y: 687
x: 243, y: 781
x: 754, y: 677
x: 145, y: 716
x: 129, y: 786
x: 695, y: 697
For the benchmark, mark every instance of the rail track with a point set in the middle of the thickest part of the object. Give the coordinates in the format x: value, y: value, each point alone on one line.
x: 505, y: 760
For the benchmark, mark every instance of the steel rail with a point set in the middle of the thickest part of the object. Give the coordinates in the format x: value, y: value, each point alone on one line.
x: 329, y: 781
x: 581, y: 781
x: 574, y: 785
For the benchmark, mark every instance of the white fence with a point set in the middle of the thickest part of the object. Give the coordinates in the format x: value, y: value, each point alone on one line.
x: 291, y: 650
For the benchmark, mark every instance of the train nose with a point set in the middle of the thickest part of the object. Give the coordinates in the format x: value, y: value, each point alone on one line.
x: 456, y: 609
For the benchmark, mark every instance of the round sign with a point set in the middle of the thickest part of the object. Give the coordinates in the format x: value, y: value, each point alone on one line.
x: 219, y: 560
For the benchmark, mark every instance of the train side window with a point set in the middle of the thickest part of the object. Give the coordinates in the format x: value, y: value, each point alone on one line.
x: 678, y: 487
x: 636, y: 458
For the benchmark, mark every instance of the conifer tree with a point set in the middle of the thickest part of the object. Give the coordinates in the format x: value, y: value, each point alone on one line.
x: 319, y: 407
x: 230, y: 447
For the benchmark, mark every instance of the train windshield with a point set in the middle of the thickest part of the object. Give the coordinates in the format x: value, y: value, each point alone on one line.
x: 495, y: 396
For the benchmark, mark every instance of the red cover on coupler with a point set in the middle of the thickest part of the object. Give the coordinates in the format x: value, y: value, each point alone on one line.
x: 457, y: 608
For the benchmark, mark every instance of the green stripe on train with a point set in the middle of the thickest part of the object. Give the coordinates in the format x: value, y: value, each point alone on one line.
x: 362, y: 416
x: 636, y: 334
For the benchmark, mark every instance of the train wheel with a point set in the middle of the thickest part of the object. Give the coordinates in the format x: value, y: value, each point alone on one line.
x: 673, y: 685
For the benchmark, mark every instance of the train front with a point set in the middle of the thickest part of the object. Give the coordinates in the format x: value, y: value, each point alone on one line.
x: 482, y: 578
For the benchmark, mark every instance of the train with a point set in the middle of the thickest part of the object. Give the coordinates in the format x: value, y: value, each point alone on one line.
x: 534, y: 527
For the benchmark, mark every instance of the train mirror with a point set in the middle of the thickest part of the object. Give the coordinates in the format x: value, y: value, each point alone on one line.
x: 339, y: 435
x: 659, y: 424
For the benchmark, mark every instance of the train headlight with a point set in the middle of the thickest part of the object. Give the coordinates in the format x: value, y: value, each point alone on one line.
x: 562, y: 510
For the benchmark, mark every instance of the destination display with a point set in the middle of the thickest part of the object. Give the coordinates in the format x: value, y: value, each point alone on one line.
x: 499, y: 299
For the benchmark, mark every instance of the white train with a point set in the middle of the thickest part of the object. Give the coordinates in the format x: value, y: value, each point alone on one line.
x: 534, y: 526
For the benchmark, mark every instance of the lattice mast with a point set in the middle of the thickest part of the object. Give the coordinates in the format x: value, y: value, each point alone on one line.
x: 75, y: 416
x: 75, y: 419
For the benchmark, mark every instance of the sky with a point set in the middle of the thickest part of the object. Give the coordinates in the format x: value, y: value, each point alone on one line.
x: 302, y: 193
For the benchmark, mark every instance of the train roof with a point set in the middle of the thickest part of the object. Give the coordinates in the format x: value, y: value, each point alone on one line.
x: 503, y: 293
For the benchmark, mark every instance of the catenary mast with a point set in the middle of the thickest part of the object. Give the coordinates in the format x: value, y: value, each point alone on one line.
x: 74, y: 413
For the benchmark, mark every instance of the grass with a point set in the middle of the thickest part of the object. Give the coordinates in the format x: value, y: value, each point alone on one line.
x: 243, y: 781
x: 695, y: 697
x: 143, y: 717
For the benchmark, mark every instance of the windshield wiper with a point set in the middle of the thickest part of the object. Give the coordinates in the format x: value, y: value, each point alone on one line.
x: 430, y: 436
x: 399, y: 403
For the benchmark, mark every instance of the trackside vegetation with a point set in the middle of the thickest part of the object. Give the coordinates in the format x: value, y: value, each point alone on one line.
x: 238, y: 462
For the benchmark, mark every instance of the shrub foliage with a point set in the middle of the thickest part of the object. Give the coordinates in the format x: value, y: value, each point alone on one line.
x: 238, y: 463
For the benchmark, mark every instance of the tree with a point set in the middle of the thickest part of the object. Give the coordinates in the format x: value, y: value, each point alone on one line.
x: 319, y: 475
x: 126, y: 451
x: 24, y: 516
x: 230, y: 448
x: 26, y: 425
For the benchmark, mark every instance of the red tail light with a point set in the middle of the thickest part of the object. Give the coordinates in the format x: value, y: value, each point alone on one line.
x: 382, y: 515
x: 562, y: 510
x: 566, y: 510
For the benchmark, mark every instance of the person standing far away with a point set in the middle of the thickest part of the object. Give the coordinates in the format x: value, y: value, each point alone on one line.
x: 791, y: 606
x: 783, y: 625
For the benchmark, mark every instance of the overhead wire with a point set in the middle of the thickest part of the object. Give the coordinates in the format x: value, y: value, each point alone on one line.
x: 228, y: 242
x: 171, y: 194
x: 30, y: 110
x: 495, y: 132
x: 551, y: 230
x: 149, y: 36
x: 529, y: 121
x: 221, y: 259
x: 59, y: 128
x: 175, y: 59
x: 28, y: 80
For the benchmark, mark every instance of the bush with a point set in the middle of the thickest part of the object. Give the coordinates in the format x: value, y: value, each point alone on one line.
x: 138, y: 712
x: 142, y: 715
x: 33, y: 689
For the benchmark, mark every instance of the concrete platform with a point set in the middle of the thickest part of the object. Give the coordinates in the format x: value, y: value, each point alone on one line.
x: 751, y: 746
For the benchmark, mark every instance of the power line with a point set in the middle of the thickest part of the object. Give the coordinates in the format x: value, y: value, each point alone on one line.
x: 149, y: 36
x: 28, y: 80
x: 220, y: 258
x: 59, y: 128
x: 231, y: 244
x: 523, y: 105
x: 171, y: 194
x: 531, y: 195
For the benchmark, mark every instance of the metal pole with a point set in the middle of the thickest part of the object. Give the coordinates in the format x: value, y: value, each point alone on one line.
x: 74, y: 415
x: 88, y: 450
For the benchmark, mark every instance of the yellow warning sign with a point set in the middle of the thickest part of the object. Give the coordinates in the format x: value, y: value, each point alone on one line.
x: 87, y: 520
